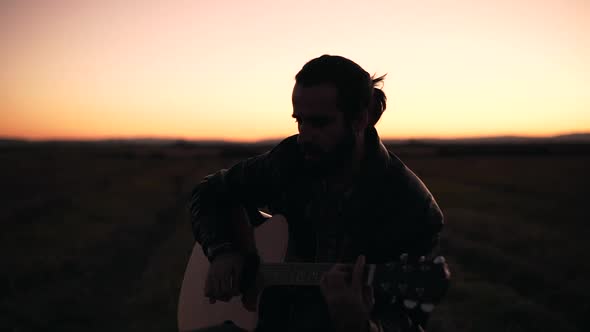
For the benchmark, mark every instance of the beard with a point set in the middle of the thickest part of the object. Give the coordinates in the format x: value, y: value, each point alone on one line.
x: 324, y: 161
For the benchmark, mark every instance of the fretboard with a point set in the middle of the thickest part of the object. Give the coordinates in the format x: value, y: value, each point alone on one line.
x: 304, y: 274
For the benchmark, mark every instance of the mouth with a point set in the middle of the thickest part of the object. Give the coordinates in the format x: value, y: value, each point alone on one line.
x: 311, y: 152
x: 311, y: 156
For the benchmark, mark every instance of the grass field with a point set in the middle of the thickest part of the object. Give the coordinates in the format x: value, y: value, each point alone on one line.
x: 96, y: 237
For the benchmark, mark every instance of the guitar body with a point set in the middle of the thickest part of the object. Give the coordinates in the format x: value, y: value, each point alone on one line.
x: 194, y: 309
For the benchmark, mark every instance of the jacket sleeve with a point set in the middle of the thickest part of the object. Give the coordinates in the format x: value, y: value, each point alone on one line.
x: 247, y: 184
x: 422, y: 239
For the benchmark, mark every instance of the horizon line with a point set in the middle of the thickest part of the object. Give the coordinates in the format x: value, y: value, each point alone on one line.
x: 275, y: 139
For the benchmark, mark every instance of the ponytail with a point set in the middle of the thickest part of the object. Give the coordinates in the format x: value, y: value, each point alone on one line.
x: 378, y: 102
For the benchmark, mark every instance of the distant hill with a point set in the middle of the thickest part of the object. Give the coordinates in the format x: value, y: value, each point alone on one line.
x: 568, y: 138
x: 581, y: 137
x: 11, y: 141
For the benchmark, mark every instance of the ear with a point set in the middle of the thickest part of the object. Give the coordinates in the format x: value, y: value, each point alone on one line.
x: 361, y: 122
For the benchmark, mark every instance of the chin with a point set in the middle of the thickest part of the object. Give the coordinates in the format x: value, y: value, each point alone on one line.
x: 315, y: 166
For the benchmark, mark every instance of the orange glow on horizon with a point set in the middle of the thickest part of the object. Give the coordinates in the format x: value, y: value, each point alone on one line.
x: 171, y: 69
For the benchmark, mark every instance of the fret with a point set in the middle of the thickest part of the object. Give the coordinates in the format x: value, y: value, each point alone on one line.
x: 301, y: 273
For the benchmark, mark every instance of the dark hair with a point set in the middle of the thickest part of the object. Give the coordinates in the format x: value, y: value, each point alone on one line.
x: 357, y: 90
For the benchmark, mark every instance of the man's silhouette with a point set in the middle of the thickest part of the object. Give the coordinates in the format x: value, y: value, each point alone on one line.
x: 347, y: 199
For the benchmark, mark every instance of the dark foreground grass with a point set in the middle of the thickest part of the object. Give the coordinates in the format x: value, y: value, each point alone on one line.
x: 97, y: 237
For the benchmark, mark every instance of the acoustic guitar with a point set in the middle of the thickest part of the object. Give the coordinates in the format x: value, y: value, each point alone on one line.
x: 417, y: 283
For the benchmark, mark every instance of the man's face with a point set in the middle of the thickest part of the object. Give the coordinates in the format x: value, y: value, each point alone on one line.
x: 327, y: 141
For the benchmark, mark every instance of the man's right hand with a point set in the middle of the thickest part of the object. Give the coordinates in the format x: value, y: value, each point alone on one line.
x: 224, y: 277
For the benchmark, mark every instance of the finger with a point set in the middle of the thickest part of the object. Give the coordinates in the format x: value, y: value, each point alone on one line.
x: 233, y: 281
x: 326, y: 280
x: 369, y: 296
x: 223, y: 284
x: 322, y: 283
x: 225, y: 289
x: 336, y: 280
x: 216, y: 287
x: 337, y: 275
x: 357, y: 273
x: 326, y: 286
x: 209, y: 289
x: 341, y: 268
x: 207, y: 286
x: 232, y: 286
x: 236, y: 279
x: 249, y: 300
x: 335, y: 267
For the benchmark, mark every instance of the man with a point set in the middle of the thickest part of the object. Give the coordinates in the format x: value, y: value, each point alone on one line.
x: 347, y: 199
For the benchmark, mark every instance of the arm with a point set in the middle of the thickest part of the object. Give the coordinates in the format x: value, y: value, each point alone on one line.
x: 222, y: 197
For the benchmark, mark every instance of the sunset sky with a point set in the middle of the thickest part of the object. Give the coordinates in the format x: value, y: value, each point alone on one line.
x: 225, y: 69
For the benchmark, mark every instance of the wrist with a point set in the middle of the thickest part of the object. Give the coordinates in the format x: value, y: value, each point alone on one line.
x: 217, y: 249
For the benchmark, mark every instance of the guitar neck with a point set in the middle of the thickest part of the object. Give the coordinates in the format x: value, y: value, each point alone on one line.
x: 304, y: 274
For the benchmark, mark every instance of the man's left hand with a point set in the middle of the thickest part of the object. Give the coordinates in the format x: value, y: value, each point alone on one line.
x: 349, y: 300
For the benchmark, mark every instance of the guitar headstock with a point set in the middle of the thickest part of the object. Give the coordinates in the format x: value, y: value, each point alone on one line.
x: 414, y: 282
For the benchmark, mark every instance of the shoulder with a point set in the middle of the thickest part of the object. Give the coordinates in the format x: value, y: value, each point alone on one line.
x: 286, y: 152
x: 409, y: 191
x: 284, y: 158
x: 287, y: 145
x: 401, y: 178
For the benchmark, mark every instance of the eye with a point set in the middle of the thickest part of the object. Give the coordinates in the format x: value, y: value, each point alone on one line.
x: 321, y: 122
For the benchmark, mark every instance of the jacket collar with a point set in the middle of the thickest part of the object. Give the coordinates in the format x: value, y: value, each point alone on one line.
x: 376, y: 154
x: 375, y: 162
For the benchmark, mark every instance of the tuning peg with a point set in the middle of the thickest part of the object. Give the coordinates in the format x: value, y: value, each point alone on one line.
x: 420, y: 291
x: 422, y: 259
x: 439, y: 260
x: 404, y: 258
x: 393, y: 299
x: 410, y: 304
x: 427, y: 307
